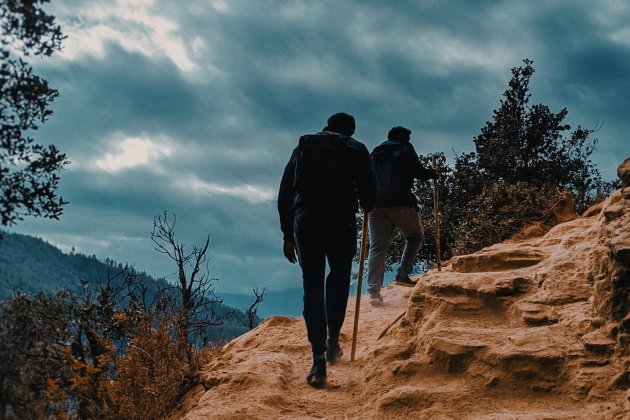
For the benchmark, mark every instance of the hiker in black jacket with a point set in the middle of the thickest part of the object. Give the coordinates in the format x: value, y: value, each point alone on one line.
x: 396, y: 165
x: 327, y: 174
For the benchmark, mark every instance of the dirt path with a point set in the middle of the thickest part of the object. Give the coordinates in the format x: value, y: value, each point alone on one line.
x: 268, y: 367
x: 346, y: 380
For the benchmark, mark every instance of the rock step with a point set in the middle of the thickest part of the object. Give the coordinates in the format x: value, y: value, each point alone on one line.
x: 437, y: 400
x: 450, y: 284
x: 598, y: 342
x: 417, y: 400
x: 453, y: 353
x: 498, y: 259
x: 463, y: 302
x: 533, y: 355
x: 589, y: 412
x: 469, y: 311
x: 535, y: 314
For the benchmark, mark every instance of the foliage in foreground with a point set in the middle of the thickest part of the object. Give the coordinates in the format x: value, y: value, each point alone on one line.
x: 29, y: 171
x: 114, y: 350
x: 65, y: 355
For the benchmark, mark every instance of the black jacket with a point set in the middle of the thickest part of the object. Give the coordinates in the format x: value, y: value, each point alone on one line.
x: 396, y: 165
x: 361, y: 185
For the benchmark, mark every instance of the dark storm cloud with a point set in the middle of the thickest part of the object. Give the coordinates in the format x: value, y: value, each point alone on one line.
x: 128, y: 93
x: 582, y: 63
x: 212, y: 95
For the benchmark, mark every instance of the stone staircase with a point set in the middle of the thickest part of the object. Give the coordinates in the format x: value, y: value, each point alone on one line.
x: 514, y: 323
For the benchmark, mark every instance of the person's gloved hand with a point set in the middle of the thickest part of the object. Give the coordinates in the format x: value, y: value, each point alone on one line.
x: 290, y: 252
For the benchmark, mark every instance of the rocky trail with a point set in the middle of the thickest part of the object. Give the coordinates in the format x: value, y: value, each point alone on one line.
x: 536, y: 328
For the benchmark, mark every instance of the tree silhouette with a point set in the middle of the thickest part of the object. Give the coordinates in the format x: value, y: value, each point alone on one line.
x: 531, y: 144
x: 192, y: 299
x: 259, y: 296
x: 524, y: 158
x: 28, y: 170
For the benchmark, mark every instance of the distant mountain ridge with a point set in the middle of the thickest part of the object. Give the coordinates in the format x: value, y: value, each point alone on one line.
x: 32, y: 265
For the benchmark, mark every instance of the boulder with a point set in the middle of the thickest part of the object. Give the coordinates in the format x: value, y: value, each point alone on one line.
x: 620, y: 247
x: 564, y: 210
x: 623, y: 172
x: 593, y: 210
x: 613, y: 212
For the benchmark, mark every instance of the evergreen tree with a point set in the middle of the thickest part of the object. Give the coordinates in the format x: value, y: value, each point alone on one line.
x: 28, y: 170
x: 524, y: 158
x: 531, y: 144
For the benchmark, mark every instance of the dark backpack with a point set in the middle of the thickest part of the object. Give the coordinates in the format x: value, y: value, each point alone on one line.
x: 321, y: 169
x: 390, y: 169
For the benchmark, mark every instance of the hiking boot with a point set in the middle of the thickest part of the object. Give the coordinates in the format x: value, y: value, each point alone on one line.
x: 317, y: 376
x: 334, y: 352
x: 404, y: 281
x: 376, y: 299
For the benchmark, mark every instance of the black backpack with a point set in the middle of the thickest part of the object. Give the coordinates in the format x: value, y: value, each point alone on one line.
x: 389, y: 167
x: 321, y: 169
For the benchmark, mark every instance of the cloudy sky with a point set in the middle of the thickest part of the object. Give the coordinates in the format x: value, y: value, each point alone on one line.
x: 194, y: 106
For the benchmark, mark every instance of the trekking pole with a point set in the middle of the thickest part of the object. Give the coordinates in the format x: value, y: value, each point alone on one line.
x: 357, y: 307
x: 436, y: 211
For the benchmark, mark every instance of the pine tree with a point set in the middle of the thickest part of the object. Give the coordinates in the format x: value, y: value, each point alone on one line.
x: 531, y: 144
x: 28, y: 170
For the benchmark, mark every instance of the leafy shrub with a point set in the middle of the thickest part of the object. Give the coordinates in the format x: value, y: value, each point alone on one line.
x: 499, y: 212
x: 34, y: 332
x: 153, y: 375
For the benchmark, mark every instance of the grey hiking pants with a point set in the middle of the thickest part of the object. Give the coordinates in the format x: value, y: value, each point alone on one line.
x: 382, y: 222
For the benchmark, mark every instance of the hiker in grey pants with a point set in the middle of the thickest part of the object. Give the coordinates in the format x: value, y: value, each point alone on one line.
x: 382, y: 222
x: 396, y: 165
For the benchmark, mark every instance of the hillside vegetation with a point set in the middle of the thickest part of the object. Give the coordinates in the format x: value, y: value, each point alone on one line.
x: 31, y: 265
x: 82, y: 337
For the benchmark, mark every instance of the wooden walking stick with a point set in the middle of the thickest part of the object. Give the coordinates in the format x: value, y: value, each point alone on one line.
x: 436, y: 211
x: 357, y: 306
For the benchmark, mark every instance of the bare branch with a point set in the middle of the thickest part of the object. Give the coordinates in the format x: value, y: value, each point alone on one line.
x: 259, y: 296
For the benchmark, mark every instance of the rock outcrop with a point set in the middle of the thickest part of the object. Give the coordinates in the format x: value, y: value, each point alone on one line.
x: 531, y: 328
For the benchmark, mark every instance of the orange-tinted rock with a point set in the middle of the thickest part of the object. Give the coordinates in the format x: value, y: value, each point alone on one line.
x: 490, y: 260
x: 531, y: 328
x: 623, y: 172
x: 537, y: 314
x: 598, y: 342
x: 593, y: 210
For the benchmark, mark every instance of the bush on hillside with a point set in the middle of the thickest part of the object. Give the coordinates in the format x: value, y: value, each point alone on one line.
x: 95, y: 355
x: 499, y: 212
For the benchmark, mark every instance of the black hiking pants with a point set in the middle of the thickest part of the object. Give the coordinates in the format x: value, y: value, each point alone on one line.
x: 319, y: 238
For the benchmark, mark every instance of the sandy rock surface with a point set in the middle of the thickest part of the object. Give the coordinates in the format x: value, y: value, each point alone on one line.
x: 530, y: 329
